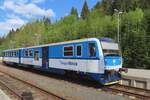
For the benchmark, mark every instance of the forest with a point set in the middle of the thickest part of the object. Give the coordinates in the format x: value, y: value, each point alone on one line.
x: 100, y: 21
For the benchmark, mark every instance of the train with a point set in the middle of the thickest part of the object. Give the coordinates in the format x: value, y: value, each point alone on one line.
x: 98, y: 59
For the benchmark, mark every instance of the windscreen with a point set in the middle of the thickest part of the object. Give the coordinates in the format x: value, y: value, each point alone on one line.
x: 111, y: 52
x: 110, y: 48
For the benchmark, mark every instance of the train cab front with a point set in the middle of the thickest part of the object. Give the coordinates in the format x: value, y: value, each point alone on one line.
x: 112, y: 63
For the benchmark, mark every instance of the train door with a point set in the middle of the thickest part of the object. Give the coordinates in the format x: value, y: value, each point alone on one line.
x: 19, y: 55
x: 45, y: 58
x: 79, y: 55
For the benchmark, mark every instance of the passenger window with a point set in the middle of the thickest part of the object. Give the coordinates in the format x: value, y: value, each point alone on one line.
x: 36, y: 55
x: 92, y: 49
x: 11, y: 54
x: 15, y: 53
x: 79, y: 50
x: 68, y: 51
x: 26, y: 53
x: 30, y: 53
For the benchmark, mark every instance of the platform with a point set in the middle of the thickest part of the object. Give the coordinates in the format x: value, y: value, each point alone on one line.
x: 3, y: 96
x: 137, y: 77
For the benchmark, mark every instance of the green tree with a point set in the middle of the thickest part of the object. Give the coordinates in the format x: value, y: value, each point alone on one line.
x: 74, y: 12
x: 46, y: 21
x: 85, y: 11
x: 144, y: 4
x: 146, y: 21
x: 107, y: 6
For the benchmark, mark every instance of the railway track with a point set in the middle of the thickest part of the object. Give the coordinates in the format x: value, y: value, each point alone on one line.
x: 130, y: 91
x: 12, y: 94
x: 124, y: 90
x: 22, y: 90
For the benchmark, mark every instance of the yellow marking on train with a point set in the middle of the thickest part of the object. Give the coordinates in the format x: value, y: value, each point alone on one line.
x: 110, y: 83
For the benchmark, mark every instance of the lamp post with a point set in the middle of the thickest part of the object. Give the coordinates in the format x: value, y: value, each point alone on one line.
x: 118, y: 26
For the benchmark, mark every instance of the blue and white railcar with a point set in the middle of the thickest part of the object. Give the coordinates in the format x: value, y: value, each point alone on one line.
x: 99, y: 59
x: 11, y: 56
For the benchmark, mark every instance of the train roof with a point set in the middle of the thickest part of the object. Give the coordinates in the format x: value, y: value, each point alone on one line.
x: 105, y: 39
x: 57, y: 43
x: 12, y: 49
x: 79, y: 40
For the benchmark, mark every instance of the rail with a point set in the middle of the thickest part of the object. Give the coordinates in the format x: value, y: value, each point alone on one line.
x: 20, y: 96
x: 130, y: 91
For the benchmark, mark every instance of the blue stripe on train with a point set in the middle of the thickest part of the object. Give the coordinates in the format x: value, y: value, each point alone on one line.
x: 112, y: 60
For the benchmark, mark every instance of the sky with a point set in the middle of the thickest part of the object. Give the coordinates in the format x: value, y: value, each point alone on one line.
x: 16, y: 13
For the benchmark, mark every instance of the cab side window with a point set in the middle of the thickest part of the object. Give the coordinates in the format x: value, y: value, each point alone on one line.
x: 92, y: 49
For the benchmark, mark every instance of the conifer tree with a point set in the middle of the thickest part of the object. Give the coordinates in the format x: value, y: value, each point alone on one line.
x: 98, y: 5
x: 85, y: 11
x: 74, y: 12
x: 107, y: 6
x: 46, y: 21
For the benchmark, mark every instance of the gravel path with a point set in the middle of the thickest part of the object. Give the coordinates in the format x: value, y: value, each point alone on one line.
x: 71, y: 91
